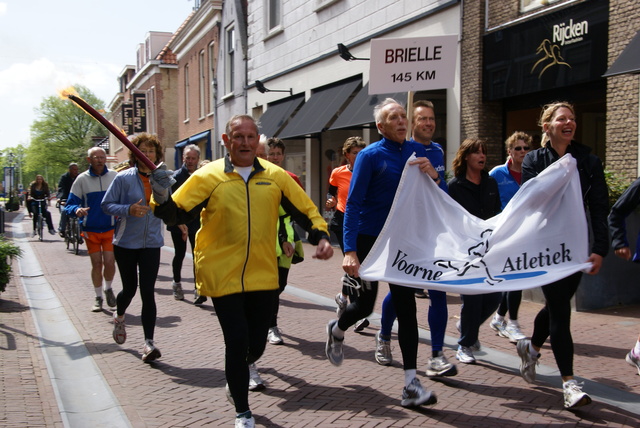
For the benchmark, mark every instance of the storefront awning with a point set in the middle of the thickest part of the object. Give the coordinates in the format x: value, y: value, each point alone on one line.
x: 360, y: 110
x: 278, y: 114
x: 315, y: 114
x: 177, y: 156
x: 629, y: 59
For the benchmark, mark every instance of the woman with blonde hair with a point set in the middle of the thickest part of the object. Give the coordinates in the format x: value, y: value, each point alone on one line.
x: 558, y: 123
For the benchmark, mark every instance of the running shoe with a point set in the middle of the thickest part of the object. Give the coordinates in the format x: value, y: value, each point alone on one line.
x: 465, y: 355
x: 255, y: 381
x: 528, y: 362
x: 361, y: 325
x: 573, y: 394
x: 498, y: 326
x: 274, y: 337
x: 111, y: 298
x: 97, y: 305
x: 440, y: 366
x: 150, y: 352
x: 119, y: 331
x: 333, y: 348
x: 513, y: 333
x: 198, y: 299
x: 178, y: 294
x: 633, y: 360
x: 342, y: 304
x: 383, y: 351
x: 415, y: 395
x: 245, y: 421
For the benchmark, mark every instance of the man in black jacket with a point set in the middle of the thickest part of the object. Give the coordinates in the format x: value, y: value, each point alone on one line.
x: 180, y: 232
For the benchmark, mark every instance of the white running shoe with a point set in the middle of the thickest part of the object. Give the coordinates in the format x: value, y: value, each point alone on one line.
x: 244, y: 422
x: 513, y: 333
x: 498, y: 326
x: 255, y: 381
x: 633, y: 360
x: 573, y: 394
x: 465, y: 355
x: 528, y: 362
x: 415, y: 395
x: 440, y: 366
x: 274, y: 337
x: 333, y: 347
x: 383, y: 351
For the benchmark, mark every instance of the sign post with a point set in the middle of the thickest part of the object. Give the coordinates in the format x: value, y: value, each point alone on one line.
x: 412, y: 64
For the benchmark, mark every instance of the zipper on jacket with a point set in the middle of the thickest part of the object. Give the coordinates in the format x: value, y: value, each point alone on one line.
x: 246, y: 259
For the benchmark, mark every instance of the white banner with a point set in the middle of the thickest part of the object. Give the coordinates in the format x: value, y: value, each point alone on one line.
x: 429, y: 241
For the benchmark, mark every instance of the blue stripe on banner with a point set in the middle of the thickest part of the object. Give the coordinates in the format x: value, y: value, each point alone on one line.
x: 505, y: 277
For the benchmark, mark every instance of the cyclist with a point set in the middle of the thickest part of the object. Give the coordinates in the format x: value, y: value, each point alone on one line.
x: 64, y: 187
x: 84, y: 202
x: 39, y: 189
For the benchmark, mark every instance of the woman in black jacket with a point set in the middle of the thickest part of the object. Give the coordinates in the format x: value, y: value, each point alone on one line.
x: 558, y: 124
x: 477, y: 192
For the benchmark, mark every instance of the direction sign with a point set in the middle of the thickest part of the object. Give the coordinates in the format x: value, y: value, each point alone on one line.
x: 412, y: 64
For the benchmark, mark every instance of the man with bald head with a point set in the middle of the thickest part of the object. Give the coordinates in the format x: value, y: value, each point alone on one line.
x: 97, y: 227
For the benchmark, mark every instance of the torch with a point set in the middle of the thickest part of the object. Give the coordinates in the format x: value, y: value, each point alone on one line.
x: 111, y: 127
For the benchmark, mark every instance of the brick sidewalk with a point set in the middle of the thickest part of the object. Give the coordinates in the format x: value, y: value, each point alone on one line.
x: 186, y: 386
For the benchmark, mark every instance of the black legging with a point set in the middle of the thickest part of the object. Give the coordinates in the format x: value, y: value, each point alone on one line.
x: 244, y: 319
x: 180, y: 247
x: 403, y: 300
x: 510, y: 303
x: 146, y: 261
x: 283, y: 277
x: 336, y: 226
x: 554, y: 321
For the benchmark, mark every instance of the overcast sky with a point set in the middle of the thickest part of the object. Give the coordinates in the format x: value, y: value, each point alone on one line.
x: 48, y: 45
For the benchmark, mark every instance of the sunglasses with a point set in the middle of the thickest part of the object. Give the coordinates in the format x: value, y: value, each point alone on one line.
x: 525, y: 148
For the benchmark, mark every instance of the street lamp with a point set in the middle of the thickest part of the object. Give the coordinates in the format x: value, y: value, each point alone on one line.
x: 344, y: 53
x: 260, y: 87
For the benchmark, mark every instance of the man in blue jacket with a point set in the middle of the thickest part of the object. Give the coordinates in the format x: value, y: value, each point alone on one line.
x: 84, y: 202
x: 376, y: 176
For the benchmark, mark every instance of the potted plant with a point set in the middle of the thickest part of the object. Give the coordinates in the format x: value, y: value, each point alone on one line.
x: 8, y: 250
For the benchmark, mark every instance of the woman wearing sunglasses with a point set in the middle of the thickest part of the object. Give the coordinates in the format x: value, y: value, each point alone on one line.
x: 509, y: 178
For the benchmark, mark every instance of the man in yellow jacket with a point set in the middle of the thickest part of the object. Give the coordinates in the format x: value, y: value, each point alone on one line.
x: 235, y: 255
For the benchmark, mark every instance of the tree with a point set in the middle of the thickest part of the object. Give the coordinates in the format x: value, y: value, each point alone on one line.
x: 62, y: 134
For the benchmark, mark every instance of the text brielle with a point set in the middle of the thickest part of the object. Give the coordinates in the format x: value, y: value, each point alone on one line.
x: 524, y: 261
x: 414, y: 54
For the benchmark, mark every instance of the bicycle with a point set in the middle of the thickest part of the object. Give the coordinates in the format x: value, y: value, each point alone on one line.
x: 39, y: 216
x: 73, y: 234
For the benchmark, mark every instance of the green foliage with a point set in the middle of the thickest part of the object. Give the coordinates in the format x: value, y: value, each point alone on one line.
x: 617, y: 184
x: 61, y: 134
x: 8, y: 250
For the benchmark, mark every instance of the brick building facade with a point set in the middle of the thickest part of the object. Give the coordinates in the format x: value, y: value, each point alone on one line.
x: 607, y: 108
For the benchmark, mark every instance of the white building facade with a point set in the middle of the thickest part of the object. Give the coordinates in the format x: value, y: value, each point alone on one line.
x: 316, y: 98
